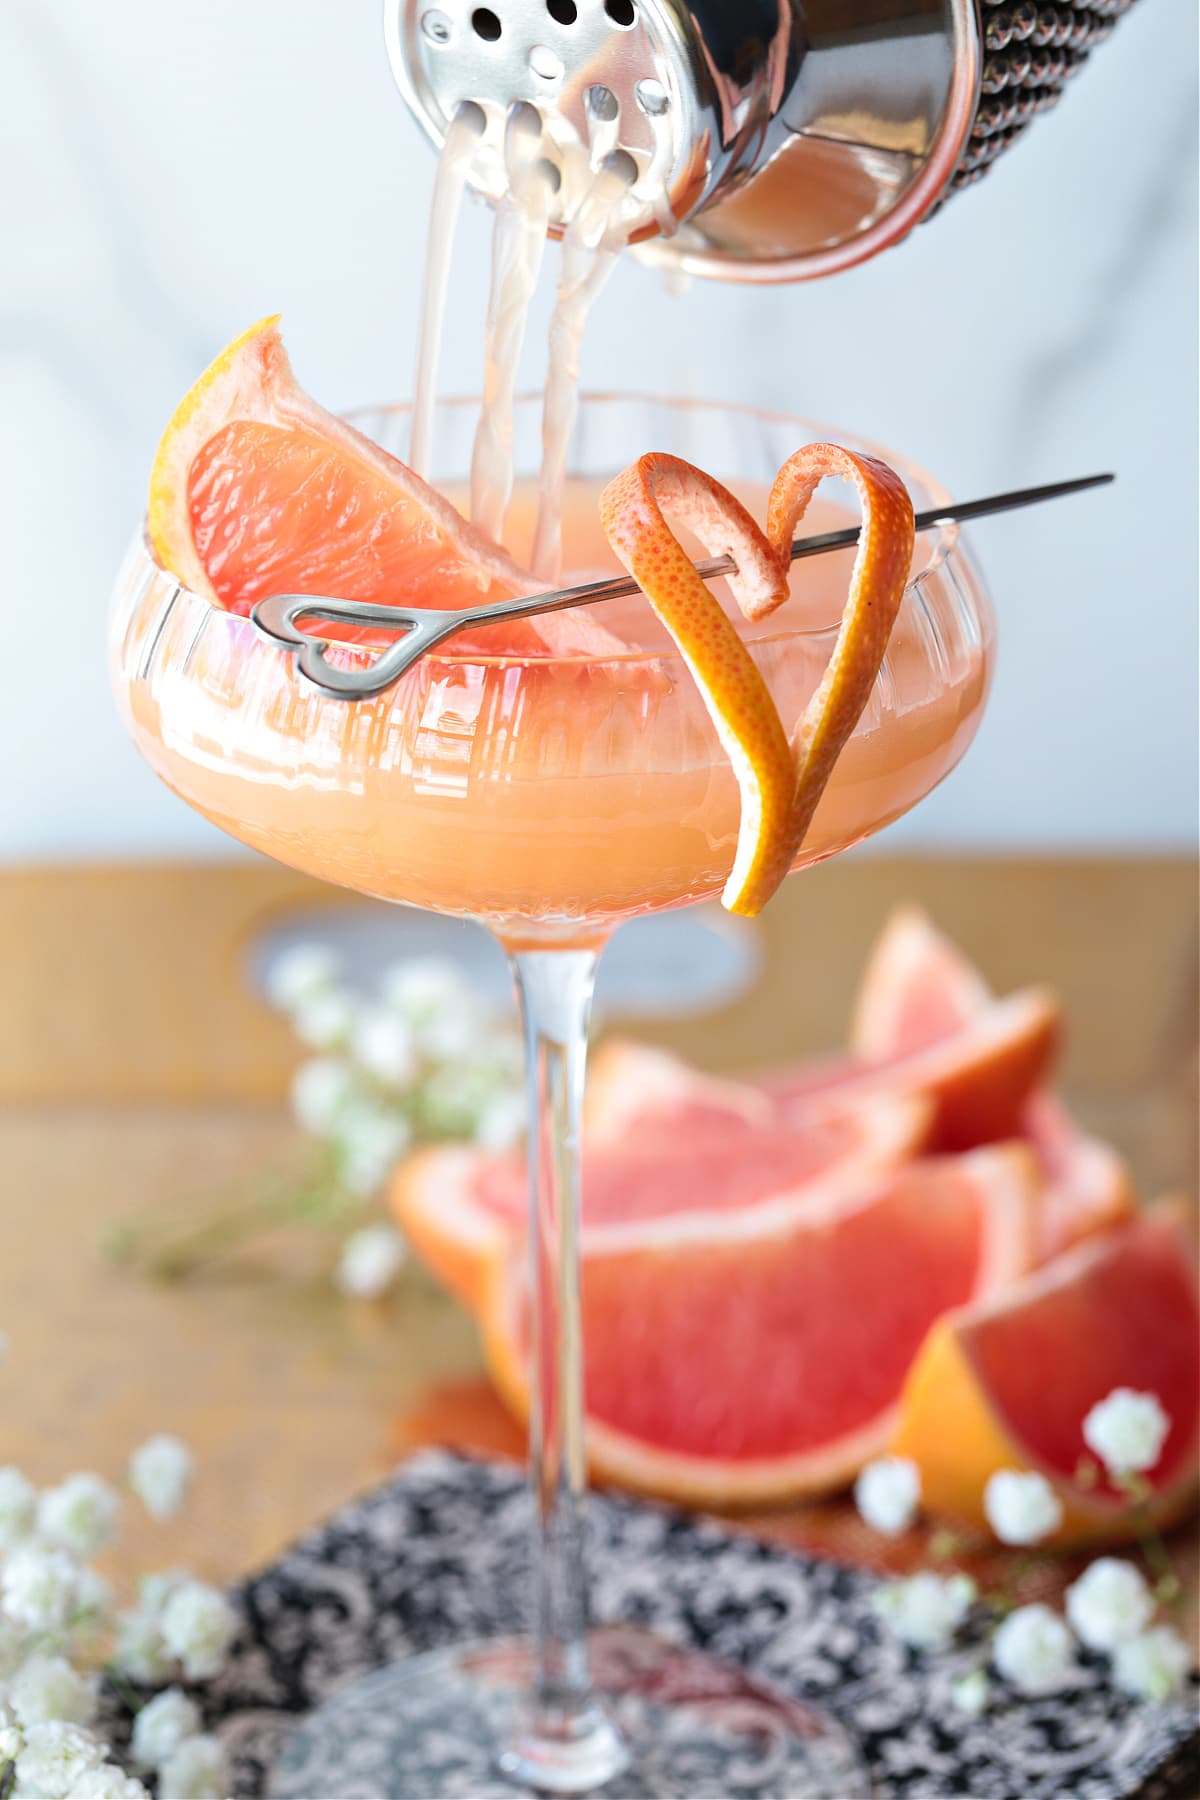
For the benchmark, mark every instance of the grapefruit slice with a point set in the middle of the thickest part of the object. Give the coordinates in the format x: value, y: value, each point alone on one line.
x: 758, y: 1355
x: 257, y: 490
x: 978, y: 1078
x: 1007, y: 1382
x: 460, y: 1209
x: 916, y: 990
x: 919, y: 991
x: 977, y: 1082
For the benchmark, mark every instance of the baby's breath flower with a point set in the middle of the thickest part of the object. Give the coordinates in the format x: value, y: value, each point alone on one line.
x: 421, y: 989
x: 53, y: 1757
x: 195, y: 1771
x: 971, y: 1693
x: 162, y: 1726
x: 108, y: 1782
x: 14, y: 1642
x: 40, y: 1588
x: 321, y: 1087
x: 1109, y: 1604
x: 198, y: 1625
x: 92, y: 1617
x: 326, y: 1021
x: 1021, y: 1506
x: 1153, y: 1666
x: 155, y: 1590
x: 48, y: 1688
x: 370, y: 1261
x: 501, y: 1122
x: 18, y: 1507
x: 925, y: 1610
x: 453, y: 1100
x: 370, y: 1143
x: 80, y: 1514
x: 12, y: 1738
x: 383, y: 1045
x: 886, y: 1494
x: 451, y: 1035
x: 138, y: 1650
x: 159, y: 1473
x: 299, y: 974
x: 1033, y: 1650
x: 1126, y: 1430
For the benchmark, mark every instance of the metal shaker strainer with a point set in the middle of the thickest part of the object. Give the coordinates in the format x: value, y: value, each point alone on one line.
x: 794, y: 137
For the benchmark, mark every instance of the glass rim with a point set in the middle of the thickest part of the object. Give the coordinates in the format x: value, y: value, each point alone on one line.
x: 942, y: 539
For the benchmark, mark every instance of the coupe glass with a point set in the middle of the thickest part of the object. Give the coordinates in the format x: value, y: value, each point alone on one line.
x: 551, y: 800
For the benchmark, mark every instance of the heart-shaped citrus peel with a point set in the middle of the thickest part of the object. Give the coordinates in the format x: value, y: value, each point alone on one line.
x: 634, y: 510
x: 781, y: 782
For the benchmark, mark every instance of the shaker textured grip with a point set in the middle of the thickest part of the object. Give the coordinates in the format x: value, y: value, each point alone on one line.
x: 1030, y: 52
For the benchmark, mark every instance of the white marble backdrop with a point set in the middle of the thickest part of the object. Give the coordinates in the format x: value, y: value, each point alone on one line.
x: 170, y: 171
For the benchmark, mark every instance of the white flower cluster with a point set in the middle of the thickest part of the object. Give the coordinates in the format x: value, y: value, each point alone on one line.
x: 1109, y: 1609
x: 56, y: 1618
x: 419, y: 1061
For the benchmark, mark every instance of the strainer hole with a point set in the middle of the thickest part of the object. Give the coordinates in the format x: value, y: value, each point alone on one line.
x: 621, y: 12
x: 485, y: 24
x: 563, y: 12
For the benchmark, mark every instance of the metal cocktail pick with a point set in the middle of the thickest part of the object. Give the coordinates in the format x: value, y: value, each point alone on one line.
x: 278, y: 618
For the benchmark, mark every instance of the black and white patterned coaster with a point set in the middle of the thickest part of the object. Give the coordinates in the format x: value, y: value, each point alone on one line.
x: 440, y: 1554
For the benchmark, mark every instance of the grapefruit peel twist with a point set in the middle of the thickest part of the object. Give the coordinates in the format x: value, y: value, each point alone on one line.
x: 780, y: 781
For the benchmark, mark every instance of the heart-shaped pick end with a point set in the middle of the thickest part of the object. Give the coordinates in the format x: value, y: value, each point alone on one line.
x: 279, y: 620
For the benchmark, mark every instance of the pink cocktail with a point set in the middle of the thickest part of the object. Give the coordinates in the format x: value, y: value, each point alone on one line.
x: 551, y: 799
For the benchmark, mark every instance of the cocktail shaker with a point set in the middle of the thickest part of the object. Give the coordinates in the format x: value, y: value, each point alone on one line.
x: 784, y: 138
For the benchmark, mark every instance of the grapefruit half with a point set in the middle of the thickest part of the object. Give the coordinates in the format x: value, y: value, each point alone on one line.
x: 1006, y: 1383
x: 753, y: 1356
x: 461, y: 1208
x: 257, y: 490
x: 918, y: 992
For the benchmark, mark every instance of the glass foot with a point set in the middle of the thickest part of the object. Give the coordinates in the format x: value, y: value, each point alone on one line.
x: 449, y: 1725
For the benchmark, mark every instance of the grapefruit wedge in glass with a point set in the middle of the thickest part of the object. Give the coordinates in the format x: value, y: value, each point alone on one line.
x: 258, y: 490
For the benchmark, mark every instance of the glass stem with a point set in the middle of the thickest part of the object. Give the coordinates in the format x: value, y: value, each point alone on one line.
x: 568, y: 1740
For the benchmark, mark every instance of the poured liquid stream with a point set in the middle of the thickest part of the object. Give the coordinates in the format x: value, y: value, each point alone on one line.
x: 590, y: 249
x: 462, y: 140
x: 518, y: 246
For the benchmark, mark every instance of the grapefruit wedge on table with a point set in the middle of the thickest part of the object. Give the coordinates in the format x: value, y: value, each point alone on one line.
x: 462, y: 1209
x: 920, y: 995
x: 757, y: 1355
x: 1007, y: 1383
x: 257, y: 490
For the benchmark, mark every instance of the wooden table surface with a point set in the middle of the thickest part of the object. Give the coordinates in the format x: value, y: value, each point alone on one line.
x: 138, y: 1073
